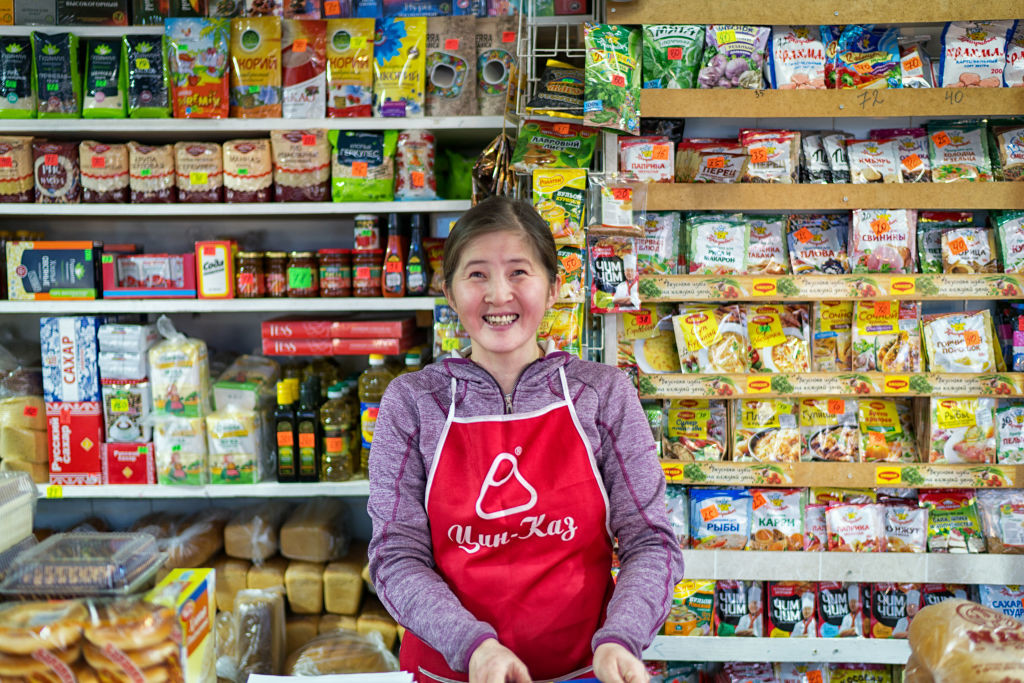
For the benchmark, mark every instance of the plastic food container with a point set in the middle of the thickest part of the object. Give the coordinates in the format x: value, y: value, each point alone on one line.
x: 84, y: 564
x: 17, y: 507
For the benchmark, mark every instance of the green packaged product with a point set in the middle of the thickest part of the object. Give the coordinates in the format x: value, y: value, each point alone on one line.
x: 363, y: 165
x: 148, y: 85
x: 958, y: 152
x: 57, y: 77
x: 672, y: 55
x: 559, y: 93
x: 611, y: 94
x: 1010, y: 237
x: 930, y: 226
x: 17, y: 78
x: 543, y: 144
x: 106, y: 83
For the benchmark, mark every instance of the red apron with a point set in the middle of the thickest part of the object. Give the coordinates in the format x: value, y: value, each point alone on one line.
x: 519, y: 525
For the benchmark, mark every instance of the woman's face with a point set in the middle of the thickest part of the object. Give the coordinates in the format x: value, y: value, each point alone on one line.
x: 500, y: 292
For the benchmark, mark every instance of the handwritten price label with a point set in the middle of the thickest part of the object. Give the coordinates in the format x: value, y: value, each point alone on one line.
x: 883, y: 308
x: 759, y: 500
x: 30, y: 411
x: 803, y: 235
x: 142, y: 64
x: 308, y: 140
x: 863, y: 68
x: 622, y: 194
x: 299, y: 45
x: 709, y: 513
x: 562, y: 128
x: 358, y: 42
x: 675, y: 53
x: 572, y: 263
x: 836, y: 406
x: 332, y: 8
x: 119, y: 405
x: 198, y: 178
x: 451, y: 44
x: 758, y: 155
x: 715, y: 162
x: 912, y: 162
x: 726, y: 36
x: 912, y: 63
x: 814, y: 676
x: 660, y: 152
x: 6, y: 162
x: 359, y: 169
x: 618, y: 80
x: 941, y: 139
x: 958, y: 246
x: 50, y: 160
x: 418, y: 179
x: 972, y: 338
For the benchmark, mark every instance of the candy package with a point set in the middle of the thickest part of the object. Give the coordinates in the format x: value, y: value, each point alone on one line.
x: 719, y: 518
x: 734, y: 56
x: 962, y: 430
x: 695, y: 430
x: 887, y: 336
x: 886, y: 433
x: 832, y: 336
x: 829, y: 429
x: 766, y: 430
x: 974, y: 53
x: 953, y: 522
x: 777, y: 519
x: 712, y: 338
x: 671, y: 55
x: 883, y: 241
x: 796, y: 58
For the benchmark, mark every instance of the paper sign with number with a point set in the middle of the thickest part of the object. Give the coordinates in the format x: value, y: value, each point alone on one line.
x: 359, y: 169
x: 99, y: 162
x: 622, y: 194
x: 661, y: 152
x: 941, y: 139
x: 50, y: 160
x: 308, y: 140
x: 618, y: 80
x: 675, y: 53
x: 417, y: 178
x: 332, y: 8
x: 972, y: 338
x: 572, y: 263
x: 912, y: 162
x: 759, y: 500
x: 562, y: 128
x: 803, y: 235
x: 836, y: 406
x: 299, y: 45
x: 715, y: 162
x: 758, y: 155
x: 708, y: 513
x: 6, y: 162
x: 958, y: 246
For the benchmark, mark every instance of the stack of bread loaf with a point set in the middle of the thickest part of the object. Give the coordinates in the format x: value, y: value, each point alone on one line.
x: 23, y: 437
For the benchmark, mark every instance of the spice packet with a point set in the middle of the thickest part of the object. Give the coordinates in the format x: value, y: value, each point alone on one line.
x: 734, y: 56
x: 961, y: 342
x: 883, y: 240
x: 893, y: 607
x: 969, y: 250
x: 56, y: 74
x: 304, y: 68
x: 887, y: 336
x: 873, y: 161
x: 711, y: 162
x: 774, y: 156
x: 1008, y: 143
x: 712, y: 338
x: 106, y: 82
x: 958, y: 153
x: 671, y: 55
x: 543, y: 144
x: 868, y: 57
x: 776, y: 521
x: 934, y: 593
x: 767, y: 253
x: 953, y: 522
x: 739, y: 610
x: 906, y: 529
x: 350, y: 66
x: 146, y: 68
x: 658, y: 251
x: 930, y: 226
x: 362, y: 165
x: 559, y: 92
x: 840, y: 610
x: 612, y: 89
x: 648, y: 158
x: 1002, y: 520
x: 399, y: 66
x: 790, y: 609
x: 962, y: 430
x: 1010, y: 433
x: 451, y: 66
x: 915, y: 64
x: 256, y: 68
x: 18, y: 96
x: 562, y: 325
x: 815, y: 529
x: 886, y: 432
x: 856, y: 527
x: 198, y: 57
x: 1009, y: 227
x: 766, y: 430
x: 829, y: 430
x: 717, y: 244
x: 974, y: 53
x: 832, y: 336
x: 796, y: 59
x: 779, y: 337
x: 615, y: 281
x: 615, y: 200
x: 719, y: 518
x: 838, y: 160
x: 911, y: 146
x: 695, y: 430
x: 677, y: 505
x: 692, y: 610
x: 817, y: 244
x: 814, y: 166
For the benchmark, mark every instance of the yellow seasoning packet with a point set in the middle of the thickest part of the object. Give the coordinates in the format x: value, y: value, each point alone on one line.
x: 559, y: 195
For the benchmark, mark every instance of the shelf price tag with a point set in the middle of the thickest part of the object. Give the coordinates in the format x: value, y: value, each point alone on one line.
x: 715, y: 162
x: 572, y: 263
x: 912, y: 63
x: 99, y: 162
x: 660, y: 152
x: 333, y: 8
x: 308, y: 140
x: 759, y: 500
x: 941, y: 139
x: 836, y: 406
x: 972, y: 338
x: 508, y: 36
x: 54, y: 491
x: 758, y: 155
x: 49, y: 159
x: 803, y: 235
x: 6, y: 162
x: 958, y: 246
x: 562, y: 128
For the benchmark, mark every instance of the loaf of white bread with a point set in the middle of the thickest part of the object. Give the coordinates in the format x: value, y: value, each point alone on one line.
x: 232, y: 576
x: 252, y: 534
x: 316, y: 531
x: 304, y: 582
x: 343, y: 582
x: 957, y: 640
x: 340, y: 652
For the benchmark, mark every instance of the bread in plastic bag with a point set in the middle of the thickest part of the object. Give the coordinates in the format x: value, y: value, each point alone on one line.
x: 316, y: 531
x: 252, y: 534
x: 259, y: 632
x: 341, y: 652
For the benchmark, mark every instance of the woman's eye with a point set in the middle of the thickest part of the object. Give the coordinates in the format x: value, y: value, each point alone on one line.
x: 476, y: 274
x: 519, y: 271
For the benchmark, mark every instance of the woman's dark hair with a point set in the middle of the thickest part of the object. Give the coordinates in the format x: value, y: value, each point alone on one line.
x: 494, y: 215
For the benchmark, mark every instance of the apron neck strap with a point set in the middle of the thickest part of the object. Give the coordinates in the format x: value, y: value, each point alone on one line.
x: 561, y: 376
x: 451, y: 408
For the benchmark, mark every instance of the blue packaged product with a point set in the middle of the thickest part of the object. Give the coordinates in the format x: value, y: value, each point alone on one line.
x: 70, y: 358
x: 1006, y: 599
x: 719, y: 518
x: 868, y: 57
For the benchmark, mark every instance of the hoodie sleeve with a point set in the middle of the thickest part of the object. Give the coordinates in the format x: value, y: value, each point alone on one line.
x: 649, y: 556
x: 402, y: 564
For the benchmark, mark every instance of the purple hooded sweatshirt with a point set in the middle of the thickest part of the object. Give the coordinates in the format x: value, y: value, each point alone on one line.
x: 411, y: 418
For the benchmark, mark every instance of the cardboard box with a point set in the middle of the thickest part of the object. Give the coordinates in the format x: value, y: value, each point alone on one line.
x: 128, y: 463
x: 51, y: 270
x: 35, y: 12
x: 366, y: 326
x: 215, y: 267
x: 75, y: 432
x: 92, y: 12
x: 69, y: 358
x: 338, y: 347
x: 189, y: 592
x: 117, y: 284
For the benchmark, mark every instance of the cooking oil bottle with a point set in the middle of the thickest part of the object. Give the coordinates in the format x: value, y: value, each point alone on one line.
x: 372, y: 384
x: 336, y: 455
x: 412, y: 363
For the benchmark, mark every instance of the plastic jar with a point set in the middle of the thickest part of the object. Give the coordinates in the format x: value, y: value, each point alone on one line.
x: 303, y: 274
x: 249, y: 279
x: 367, y: 267
x: 335, y: 272
x: 275, y: 269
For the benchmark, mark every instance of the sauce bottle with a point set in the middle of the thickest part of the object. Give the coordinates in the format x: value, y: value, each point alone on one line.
x: 417, y: 267
x: 394, y: 268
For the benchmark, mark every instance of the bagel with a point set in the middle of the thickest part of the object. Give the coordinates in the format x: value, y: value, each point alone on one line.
x: 29, y: 626
x: 154, y: 674
x: 27, y: 666
x: 140, y: 659
x: 129, y: 625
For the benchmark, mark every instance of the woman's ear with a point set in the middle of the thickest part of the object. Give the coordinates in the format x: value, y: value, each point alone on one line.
x: 448, y: 296
x: 552, y: 294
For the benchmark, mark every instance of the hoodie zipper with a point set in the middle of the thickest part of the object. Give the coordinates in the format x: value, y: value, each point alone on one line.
x: 509, y: 397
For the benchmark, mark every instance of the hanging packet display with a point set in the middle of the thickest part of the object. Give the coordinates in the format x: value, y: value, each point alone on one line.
x: 886, y: 433
x: 56, y: 73
x: 832, y: 336
x: 717, y: 244
x: 734, y: 56
x: 719, y: 518
x: 906, y: 529
x: 766, y: 430
x: 692, y: 610
x: 615, y: 281
x: 829, y: 429
x: 739, y: 610
x: 363, y: 165
x: 399, y: 67
x: 1010, y: 433
x: 887, y: 336
x: 856, y: 527
x: 958, y: 152
x: 658, y: 251
x: 1002, y: 520
x: 840, y: 610
x: 766, y: 252
x: 912, y: 149
x: 817, y: 244
x: 974, y: 53
x: 451, y: 67
x: 256, y: 68
x: 777, y: 520
x: 611, y: 96
x: 671, y: 55
x: 559, y: 195
x: 953, y: 522
x: 304, y: 68
x: 145, y: 66
x: 893, y: 607
x: 789, y: 609
x: 106, y: 82
x: 780, y: 337
x: 962, y: 430
x: 350, y: 67
x: 712, y: 338
x: 695, y: 430
x: 868, y: 57
x: 18, y: 98
x: 559, y: 93
x: 198, y: 57
x: 796, y: 59
x: 883, y: 241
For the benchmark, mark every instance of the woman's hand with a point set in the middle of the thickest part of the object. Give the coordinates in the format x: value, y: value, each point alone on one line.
x: 492, y: 662
x: 615, y: 664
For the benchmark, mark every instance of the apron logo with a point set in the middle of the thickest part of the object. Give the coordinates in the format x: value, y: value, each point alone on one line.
x: 538, y: 526
x: 491, y: 482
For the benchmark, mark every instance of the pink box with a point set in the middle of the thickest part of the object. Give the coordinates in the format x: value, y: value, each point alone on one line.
x: 128, y: 463
x: 75, y: 431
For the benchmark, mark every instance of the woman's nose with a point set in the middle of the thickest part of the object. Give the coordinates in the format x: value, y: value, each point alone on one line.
x: 499, y: 292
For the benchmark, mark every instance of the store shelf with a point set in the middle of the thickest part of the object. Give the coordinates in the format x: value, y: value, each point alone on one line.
x: 843, y: 474
x: 973, y: 102
x: 830, y: 287
x: 841, y: 384
x: 233, y: 127
x: 762, y: 197
x: 264, y: 490
x: 115, y: 211
x: 807, y: 11
x: 83, y: 31
x: 749, y: 565
x: 839, y: 650
x: 313, y: 305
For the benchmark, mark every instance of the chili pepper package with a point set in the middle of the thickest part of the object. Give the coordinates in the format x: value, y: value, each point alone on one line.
x: 658, y: 251
x: 911, y: 146
x: 832, y: 336
x: 777, y: 521
x: 766, y: 430
x: 739, y: 609
x: 887, y: 336
x: 695, y: 430
x: 856, y: 527
x: 648, y: 158
x: 797, y: 58
x: 147, y: 71
x: 906, y: 529
x: 57, y: 80
x: 613, y: 268
x: 556, y: 145
x: 873, y: 161
x: 719, y: 518
x: 829, y: 430
x: 958, y: 153
x: 671, y: 55
x: 886, y: 433
x: 930, y: 227
x: 1010, y: 433
x: 780, y: 339
x: 734, y: 56
x: 1002, y: 519
x: 766, y: 252
x: 815, y: 529
x: 677, y: 505
x: 774, y: 156
x: 718, y: 244
x: 712, y: 338
x: 953, y: 522
x: 817, y: 244
x: 974, y: 53
x: 198, y: 56
x: 883, y: 240
x: 962, y: 430
x: 893, y: 607
x: 692, y: 610
x: 611, y: 97
x: 961, y: 342
x: 840, y: 610
x: 868, y: 57
x: 1009, y: 227
x: 789, y: 609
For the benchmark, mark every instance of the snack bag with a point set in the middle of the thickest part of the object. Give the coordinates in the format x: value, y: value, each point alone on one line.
x: 832, y: 336
x: 671, y: 55
x: 776, y: 519
x: 559, y: 195
x: 840, y: 610
x: 789, y: 609
x: 106, y: 82
x: 887, y: 336
x: 766, y: 430
x: 18, y: 97
x: 615, y: 279
x: 953, y: 522
x: 719, y: 518
x: 146, y: 68
x: 883, y: 241
x: 56, y: 74
x: 974, y: 53
x: 779, y: 338
x: 362, y: 165
x: 766, y: 252
x: 958, y: 153
x: 611, y: 96
x: 856, y: 527
x: 906, y: 529
x: 199, y: 64
x: 692, y: 609
x: 886, y: 433
x: 1010, y: 433
x: 399, y: 66
x: 893, y: 607
x: 829, y: 430
x: 817, y: 244
x: 734, y: 56
x: 553, y: 145
x: 739, y: 610
x: 350, y: 60
x: 797, y: 58
x: 712, y: 338
x: 962, y: 430
x: 960, y: 342
x: 695, y: 430
x: 717, y: 244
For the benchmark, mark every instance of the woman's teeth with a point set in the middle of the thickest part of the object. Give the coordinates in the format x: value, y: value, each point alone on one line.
x: 500, y: 319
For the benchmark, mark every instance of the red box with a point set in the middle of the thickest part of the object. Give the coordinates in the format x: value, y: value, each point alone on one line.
x: 367, y: 326
x: 128, y: 463
x: 75, y: 431
x: 338, y: 347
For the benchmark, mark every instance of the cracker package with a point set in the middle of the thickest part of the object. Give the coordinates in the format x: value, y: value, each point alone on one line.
x: 893, y: 607
x: 739, y: 610
x: 911, y: 146
x: 555, y: 145
x: 302, y: 165
x: 958, y: 152
x: 671, y: 55
x: 1009, y: 228
x: 149, y: 86
x: 829, y: 429
x: 779, y: 337
x: 658, y: 251
x: 179, y: 445
x: 256, y: 68
x: 104, y: 172
x: 559, y: 195
x: 886, y: 433
x: 887, y: 336
x: 712, y: 338
x: 1010, y: 433
x: 719, y: 518
x: 692, y: 610
x: 57, y: 79
x: 969, y: 250
x: 767, y: 253
x: 777, y: 519
x: 615, y: 282
x: 398, y: 66
x: 961, y: 342
x: 248, y: 171
x: 179, y: 374
x: 106, y: 82
x: 695, y: 430
x: 303, y: 68
x: 151, y: 176
x: 789, y: 609
x: 930, y: 227
x: 235, y: 447
x: 198, y: 56
x: 832, y: 336
x: 17, y: 173
x: 962, y: 430
x: 18, y: 98
x: 766, y: 430
x: 1002, y: 520
x: 840, y: 610
x: 906, y: 528
x: 953, y: 522
x: 363, y: 165
x: 873, y: 161
x: 350, y: 63
x: 717, y: 244
x: 883, y: 240
x: 856, y: 527
x: 451, y: 66
x: 817, y: 244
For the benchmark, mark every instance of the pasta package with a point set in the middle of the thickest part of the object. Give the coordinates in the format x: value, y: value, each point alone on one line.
x: 717, y: 244
x: 817, y: 244
x: 779, y: 337
x: 179, y: 446
x: 962, y: 430
x: 832, y: 336
x: 256, y: 68
x: 234, y: 446
x: 180, y: 377
x: 719, y: 518
x: 199, y: 67
x: 1010, y: 432
x: 887, y: 336
x: 777, y: 519
x: 886, y: 433
x: 399, y: 66
x: 969, y: 250
x: 961, y: 342
x: 350, y: 63
x: 302, y: 165
x: 104, y: 172
x: 883, y: 240
x: 953, y: 522
x: 712, y: 338
x: 695, y: 430
x: 829, y: 430
x: 766, y: 430
x: 767, y: 253
x: 363, y: 165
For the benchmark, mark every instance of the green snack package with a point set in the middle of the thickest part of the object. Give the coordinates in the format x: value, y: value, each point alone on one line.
x: 672, y: 55
x: 17, y: 78
x: 611, y: 93
x: 930, y: 226
x: 363, y: 165
x: 57, y: 75
x: 148, y: 84
x: 542, y: 144
x: 106, y: 83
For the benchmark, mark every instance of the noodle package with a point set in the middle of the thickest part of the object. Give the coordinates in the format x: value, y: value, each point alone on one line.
x: 887, y: 336
x: 766, y: 430
x: 712, y: 338
x: 779, y: 337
